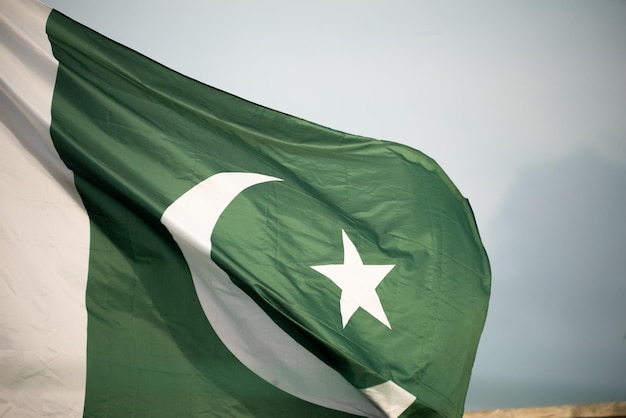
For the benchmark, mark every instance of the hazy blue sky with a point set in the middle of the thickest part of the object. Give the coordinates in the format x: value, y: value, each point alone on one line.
x: 522, y: 103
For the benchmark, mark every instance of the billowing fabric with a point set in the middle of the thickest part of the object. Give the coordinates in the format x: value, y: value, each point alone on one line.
x: 207, y: 256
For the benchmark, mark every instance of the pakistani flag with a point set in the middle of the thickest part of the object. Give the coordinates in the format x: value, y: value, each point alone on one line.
x: 170, y: 250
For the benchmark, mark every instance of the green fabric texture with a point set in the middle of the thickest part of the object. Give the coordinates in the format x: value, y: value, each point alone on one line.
x: 138, y: 135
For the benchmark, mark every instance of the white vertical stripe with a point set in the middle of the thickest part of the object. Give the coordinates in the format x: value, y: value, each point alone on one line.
x: 44, y: 233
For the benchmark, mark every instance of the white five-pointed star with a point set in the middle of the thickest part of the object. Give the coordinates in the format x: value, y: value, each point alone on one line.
x: 358, y: 283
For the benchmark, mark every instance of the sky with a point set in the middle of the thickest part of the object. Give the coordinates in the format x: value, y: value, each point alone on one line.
x: 523, y: 104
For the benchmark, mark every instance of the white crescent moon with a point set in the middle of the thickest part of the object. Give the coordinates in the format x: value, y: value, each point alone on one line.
x: 240, y: 323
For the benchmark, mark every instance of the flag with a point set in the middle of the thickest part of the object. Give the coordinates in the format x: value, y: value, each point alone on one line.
x: 169, y: 249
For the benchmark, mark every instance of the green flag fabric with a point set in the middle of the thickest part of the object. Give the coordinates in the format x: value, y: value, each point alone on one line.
x: 169, y: 249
